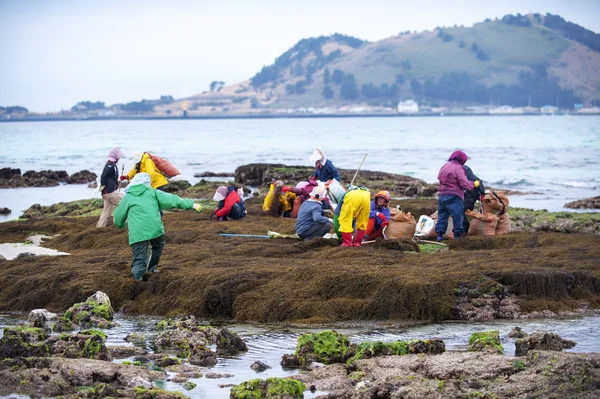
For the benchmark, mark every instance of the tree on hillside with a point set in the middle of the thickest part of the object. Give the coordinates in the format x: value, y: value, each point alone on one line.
x: 326, y: 77
x: 348, y: 90
x: 337, y: 77
x: 216, y: 85
x: 327, y: 92
x: 416, y: 88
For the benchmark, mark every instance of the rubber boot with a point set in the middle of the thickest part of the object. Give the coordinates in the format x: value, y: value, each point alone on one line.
x: 347, y: 237
x: 358, y: 237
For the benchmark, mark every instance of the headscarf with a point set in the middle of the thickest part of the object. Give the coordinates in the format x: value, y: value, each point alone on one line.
x: 136, y: 157
x: 140, y: 178
x: 459, y: 156
x: 221, y: 193
x: 115, y: 154
x: 318, y: 155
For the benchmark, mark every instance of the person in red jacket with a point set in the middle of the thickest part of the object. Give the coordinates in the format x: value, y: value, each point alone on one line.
x: 231, y: 205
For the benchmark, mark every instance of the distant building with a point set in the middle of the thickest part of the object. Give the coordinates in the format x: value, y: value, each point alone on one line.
x: 78, y: 109
x: 106, y: 112
x: 592, y: 110
x: 408, y: 107
x: 506, y: 110
x: 549, y: 110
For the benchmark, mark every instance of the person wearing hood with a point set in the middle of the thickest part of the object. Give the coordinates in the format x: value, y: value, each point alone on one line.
x: 109, y: 185
x: 453, y: 183
x: 324, y: 169
x: 143, y: 163
x: 231, y: 205
x: 140, y: 209
x: 379, y: 216
x: 310, y: 222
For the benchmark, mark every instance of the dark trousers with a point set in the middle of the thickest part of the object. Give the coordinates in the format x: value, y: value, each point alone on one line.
x: 468, y: 203
x: 143, y: 261
x: 450, y: 205
x: 316, y: 230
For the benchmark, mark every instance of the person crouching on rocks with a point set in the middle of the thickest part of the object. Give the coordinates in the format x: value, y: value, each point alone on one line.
x: 231, y: 205
x: 355, y: 205
x: 109, y: 182
x: 310, y: 222
x: 453, y: 182
x: 140, y: 209
x: 379, y: 216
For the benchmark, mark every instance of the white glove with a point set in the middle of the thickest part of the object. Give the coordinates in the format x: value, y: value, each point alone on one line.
x: 198, y: 207
x: 376, y: 214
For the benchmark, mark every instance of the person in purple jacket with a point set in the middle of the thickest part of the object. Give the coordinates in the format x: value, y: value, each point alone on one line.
x: 453, y: 182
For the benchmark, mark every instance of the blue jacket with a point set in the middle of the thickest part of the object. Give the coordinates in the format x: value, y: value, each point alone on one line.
x: 327, y: 172
x: 310, y: 212
x: 384, y: 210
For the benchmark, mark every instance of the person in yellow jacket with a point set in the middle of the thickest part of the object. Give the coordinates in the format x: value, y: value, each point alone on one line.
x: 144, y: 164
x: 356, y: 204
x: 285, y: 200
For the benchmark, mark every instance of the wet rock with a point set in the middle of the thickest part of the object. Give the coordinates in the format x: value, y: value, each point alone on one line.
x: 542, y: 341
x: 86, y: 344
x: 121, y: 352
x: 230, y: 343
x: 212, y: 174
x: 367, y: 350
x: 588, y: 203
x: 259, y: 366
x: 488, y: 341
x: 63, y: 325
x: 24, y: 342
x: 292, y: 361
x: 180, y: 340
x: 9, y: 173
x: 225, y: 385
x: 139, y: 382
x: 82, y: 177
x: 5, y: 211
x: 39, y: 318
x: 517, y: 332
x: 25, y: 255
x: 203, y: 356
x: 192, y: 324
x: 135, y: 338
x: 188, y: 386
x: 167, y: 361
x: 96, y: 311
x: 177, y: 186
x: 218, y: 375
x: 269, y: 388
x: 326, y: 347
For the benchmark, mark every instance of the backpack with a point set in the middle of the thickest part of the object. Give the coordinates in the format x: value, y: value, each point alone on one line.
x: 164, y: 166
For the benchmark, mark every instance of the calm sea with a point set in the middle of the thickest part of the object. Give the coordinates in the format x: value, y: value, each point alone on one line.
x: 557, y: 156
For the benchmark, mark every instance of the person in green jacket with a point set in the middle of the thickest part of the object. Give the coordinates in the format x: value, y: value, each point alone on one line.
x: 140, y: 208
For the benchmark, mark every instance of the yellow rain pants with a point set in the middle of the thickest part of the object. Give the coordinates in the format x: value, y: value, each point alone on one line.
x: 357, y: 205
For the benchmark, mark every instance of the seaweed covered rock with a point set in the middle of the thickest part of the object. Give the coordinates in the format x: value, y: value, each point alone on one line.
x: 5, y: 211
x: 89, y: 207
x: 22, y: 341
x: 180, y: 340
x: 192, y: 324
x: 367, y: 350
x: 487, y: 341
x: 269, y: 388
x: 230, y: 343
x: 542, y: 341
x: 81, y: 177
x: 324, y: 347
x: 202, y: 356
x: 96, y: 311
x: 517, y: 332
x: 588, y: 203
x: 89, y: 344
x: 177, y: 186
x: 259, y: 366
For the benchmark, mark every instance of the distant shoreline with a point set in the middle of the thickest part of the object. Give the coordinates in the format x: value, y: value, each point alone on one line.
x: 271, y: 116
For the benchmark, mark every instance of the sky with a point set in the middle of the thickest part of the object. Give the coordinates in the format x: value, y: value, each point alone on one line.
x: 54, y: 54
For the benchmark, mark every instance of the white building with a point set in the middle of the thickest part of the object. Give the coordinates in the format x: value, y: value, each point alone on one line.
x: 549, y: 109
x: 408, y: 107
x: 506, y: 110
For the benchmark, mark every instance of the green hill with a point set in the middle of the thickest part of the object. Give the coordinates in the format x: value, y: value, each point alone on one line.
x: 517, y: 60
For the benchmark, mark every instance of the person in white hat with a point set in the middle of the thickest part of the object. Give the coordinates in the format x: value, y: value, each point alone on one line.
x: 324, y: 169
x: 109, y: 185
x: 310, y: 222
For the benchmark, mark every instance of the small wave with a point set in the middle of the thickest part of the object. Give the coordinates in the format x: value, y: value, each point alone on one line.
x: 590, y: 184
x: 511, y: 182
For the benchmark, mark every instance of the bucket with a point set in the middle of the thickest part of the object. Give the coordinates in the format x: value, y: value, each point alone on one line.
x: 336, y: 191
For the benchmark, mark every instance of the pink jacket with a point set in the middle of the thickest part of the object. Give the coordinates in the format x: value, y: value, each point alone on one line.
x: 453, y: 179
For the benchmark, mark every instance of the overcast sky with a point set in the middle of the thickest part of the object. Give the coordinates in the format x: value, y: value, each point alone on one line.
x: 56, y: 53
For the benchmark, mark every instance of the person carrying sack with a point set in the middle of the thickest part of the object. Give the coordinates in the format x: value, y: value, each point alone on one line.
x: 109, y: 186
x: 140, y: 209
x: 144, y: 164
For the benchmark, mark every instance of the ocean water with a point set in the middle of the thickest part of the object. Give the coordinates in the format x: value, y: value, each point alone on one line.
x: 555, y: 156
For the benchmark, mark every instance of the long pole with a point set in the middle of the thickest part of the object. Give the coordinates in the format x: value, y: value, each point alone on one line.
x: 361, y: 164
x: 122, y: 171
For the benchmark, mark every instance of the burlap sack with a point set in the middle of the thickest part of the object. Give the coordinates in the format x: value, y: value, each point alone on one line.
x: 297, y: 204
x: 401, y: 226
x: 482, y: 224
x: 449, y: 233
x: 503, y: 226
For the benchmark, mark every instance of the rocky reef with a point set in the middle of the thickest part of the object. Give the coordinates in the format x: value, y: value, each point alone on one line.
x: 12, y: 178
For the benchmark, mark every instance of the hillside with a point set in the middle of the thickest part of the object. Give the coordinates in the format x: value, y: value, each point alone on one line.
x: 517, y: 60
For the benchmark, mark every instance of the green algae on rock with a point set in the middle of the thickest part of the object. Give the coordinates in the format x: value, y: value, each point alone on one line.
x: 271, y: 388
x: 487, y: 341
x: 367, y: 350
